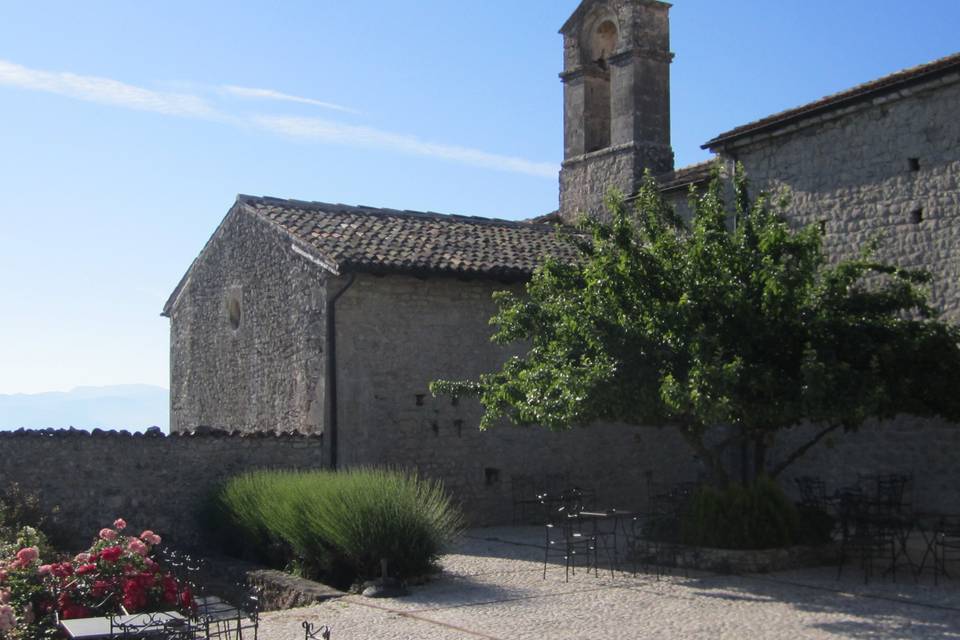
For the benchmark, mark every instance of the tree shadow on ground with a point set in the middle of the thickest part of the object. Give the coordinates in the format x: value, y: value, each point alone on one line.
x: 844, y: 607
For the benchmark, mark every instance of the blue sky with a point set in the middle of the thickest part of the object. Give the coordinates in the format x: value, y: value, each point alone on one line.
x: 127, y: 129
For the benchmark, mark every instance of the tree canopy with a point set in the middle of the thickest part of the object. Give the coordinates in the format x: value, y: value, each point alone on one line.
x: 734, y: 319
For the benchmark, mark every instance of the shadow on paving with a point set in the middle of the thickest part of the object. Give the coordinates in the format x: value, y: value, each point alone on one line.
x: 882, y: 608
x: 887, y: 610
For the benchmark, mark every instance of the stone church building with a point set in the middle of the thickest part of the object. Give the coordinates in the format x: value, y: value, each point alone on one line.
x: 333, y: 319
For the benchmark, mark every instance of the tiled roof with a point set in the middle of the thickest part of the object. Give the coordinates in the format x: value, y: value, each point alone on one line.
x: 886, y: 84
x: 685, y: 176
x: 349, y: 238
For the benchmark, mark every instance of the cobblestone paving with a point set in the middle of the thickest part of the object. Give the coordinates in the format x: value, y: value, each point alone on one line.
x: 492, y: 587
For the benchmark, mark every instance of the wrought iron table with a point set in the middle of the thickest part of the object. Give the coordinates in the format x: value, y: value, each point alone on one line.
x: 96, y: 628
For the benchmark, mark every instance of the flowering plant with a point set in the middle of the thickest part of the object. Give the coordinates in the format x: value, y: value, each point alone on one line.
x: 117, y: 573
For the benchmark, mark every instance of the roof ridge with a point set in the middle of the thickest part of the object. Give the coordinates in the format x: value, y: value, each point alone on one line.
x: 885, y: 83
x: 329, y: 207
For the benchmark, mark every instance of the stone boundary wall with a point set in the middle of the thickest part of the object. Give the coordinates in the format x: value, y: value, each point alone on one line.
x: 924, y: 448
x: 154, y: 481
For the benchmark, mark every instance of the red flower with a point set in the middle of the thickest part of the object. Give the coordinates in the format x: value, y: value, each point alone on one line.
x: 74, y: 611
x: 100, y: 588
x: 84, y: 569
x: 111, y: 554
x: 186, y: 598
x: 170, y: 589
x: 69, y: 609
x: 134, y: 595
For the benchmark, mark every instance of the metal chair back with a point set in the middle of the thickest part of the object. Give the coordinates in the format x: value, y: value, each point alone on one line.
x: 311, y: 633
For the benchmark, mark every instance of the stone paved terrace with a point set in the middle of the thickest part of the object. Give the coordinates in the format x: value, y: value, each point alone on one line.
x: 492, y: 588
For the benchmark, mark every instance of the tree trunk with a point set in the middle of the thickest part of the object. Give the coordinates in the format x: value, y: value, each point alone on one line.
x: 716, y: 472
x: 759, y: 456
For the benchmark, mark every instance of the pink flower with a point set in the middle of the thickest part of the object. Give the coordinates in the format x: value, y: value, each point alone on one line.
x: 119, y: 524
x: 7, y: 620
x: 82, y: 558
x: 27, y: 555
x: 137, y: 547
x: 3, y: 575
x: 4, y: 596
x: 85, y: 569
x: 108, y: 534
x: 44, y: 570
x: 150, y: 537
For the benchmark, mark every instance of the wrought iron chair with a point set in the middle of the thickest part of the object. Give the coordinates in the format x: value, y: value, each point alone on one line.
x: 865, y: 535
x: 890, y: 505
x: 649, y: 543
x: 218, y: 621
x: 946, y: 546
x: 655, y: 536
x: 565, y: 535
x: 813, y: 492
x: 310, y: 633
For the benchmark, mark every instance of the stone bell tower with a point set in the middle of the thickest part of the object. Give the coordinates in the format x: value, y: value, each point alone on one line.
x: 616, y: 100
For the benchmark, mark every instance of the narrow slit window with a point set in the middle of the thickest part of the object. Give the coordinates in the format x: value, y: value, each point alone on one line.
x: 234, y: 311
x: 914, y: 164
x: 917, y: 215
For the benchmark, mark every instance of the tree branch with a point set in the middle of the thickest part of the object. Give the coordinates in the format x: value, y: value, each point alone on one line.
x: 694, y: 439
x: 796, y: 455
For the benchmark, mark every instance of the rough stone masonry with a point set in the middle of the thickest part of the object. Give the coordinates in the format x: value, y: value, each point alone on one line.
x: 332, y: 320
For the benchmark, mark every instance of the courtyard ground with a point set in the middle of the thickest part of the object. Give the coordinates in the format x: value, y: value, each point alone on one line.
x: 492, y: 587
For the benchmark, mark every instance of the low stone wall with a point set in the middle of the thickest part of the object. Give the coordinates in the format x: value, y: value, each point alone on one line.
x: 231, y: 579
x: 87, y: 479
x: 757, y: 560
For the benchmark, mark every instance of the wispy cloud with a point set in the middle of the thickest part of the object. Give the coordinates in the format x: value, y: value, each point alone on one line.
x: 105, y: 91
x: 351, y: 135
x: 270, y: 94
x: 120, y: 94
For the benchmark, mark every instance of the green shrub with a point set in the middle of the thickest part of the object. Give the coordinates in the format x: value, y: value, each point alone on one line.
x: 756, y: 517
x: 339, y: 525
x: 816, y: 526
x: 21, y: 519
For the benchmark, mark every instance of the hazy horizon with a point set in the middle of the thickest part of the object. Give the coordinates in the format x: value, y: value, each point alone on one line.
x: 130, y: 407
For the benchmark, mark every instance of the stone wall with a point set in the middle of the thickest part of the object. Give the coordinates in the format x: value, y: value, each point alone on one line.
x: 154, y: 481
x: 926, y: 449
x: 395, y: 334
x: 888, y: 168
x: 267, y: 372
x: 585, y: 181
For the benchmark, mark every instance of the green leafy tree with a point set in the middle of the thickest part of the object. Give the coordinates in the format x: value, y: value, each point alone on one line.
x: 734, y: 320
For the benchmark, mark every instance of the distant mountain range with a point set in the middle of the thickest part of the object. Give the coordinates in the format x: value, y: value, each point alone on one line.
x: 133, y: 407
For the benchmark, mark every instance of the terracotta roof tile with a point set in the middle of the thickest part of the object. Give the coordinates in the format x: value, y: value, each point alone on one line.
x: 685, y: 176
x: 359, y: 238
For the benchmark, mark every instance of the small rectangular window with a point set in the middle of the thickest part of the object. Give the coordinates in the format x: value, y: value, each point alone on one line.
x: 914, y: 164
x: 917, y: 215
